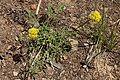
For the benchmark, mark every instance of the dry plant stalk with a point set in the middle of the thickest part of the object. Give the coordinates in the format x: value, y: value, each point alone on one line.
x: 38, y: 7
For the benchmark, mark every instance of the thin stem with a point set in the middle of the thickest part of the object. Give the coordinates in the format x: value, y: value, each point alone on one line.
x: 84, y: 23
x: 38, y: 7
x: 36, y: 56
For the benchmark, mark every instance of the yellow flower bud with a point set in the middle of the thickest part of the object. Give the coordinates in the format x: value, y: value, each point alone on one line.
x: 33, y: 32
x: 95, y: 16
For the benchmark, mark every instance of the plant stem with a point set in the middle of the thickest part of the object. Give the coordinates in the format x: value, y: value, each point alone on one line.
x: 36, y: 56
x: 38, y: 7
x: 84, y: 23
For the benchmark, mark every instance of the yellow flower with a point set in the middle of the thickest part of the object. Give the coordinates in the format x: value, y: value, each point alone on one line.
x: 33, y: 32
x: 95, y: 16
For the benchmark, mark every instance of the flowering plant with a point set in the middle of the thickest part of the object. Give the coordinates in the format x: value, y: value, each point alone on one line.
x: 95, y: 16
x: 33, y: 32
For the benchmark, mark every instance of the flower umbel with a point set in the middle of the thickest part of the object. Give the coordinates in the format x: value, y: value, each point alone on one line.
x: 33, y: 32
x: 95, y: 16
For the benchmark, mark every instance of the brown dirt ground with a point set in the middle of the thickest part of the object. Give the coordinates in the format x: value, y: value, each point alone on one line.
x: 106, y: 67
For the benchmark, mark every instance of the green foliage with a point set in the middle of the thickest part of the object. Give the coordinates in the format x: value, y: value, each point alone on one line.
x: 32, y: 19
x: 59, y: 7
x: 103, y: 35
x: 50, y: 11
x: 112, y: 40
x: 36, y: 66
x: 53, y: 43
x: 49, y: 44
x: 54, y: 12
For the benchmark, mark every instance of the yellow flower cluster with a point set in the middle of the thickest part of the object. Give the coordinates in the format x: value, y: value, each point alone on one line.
x: 95, y: 16
x: 33, y: 32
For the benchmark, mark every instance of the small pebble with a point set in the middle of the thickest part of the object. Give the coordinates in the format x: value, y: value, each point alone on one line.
x: 17, y: 79
x: 86, y: 44
x: 73, y: 19
x: 85, y: 66
x: 9, y: 47
x: 33, y: 6
x: 15, y: 73
x: 44, y: 79
x: 115, y: 66
x: 65, y: 57
x: 24, y: 64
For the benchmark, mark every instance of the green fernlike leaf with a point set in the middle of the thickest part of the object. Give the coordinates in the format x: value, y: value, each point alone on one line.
x: 59, y: 7
x: 50, y: 11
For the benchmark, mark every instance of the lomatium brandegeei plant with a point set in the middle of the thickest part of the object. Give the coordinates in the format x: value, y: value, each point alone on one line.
x: 95, y: 16
x: 33, y: 32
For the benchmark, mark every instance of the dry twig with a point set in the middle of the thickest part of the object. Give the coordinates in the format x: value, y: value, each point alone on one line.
x: 38, y: 7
